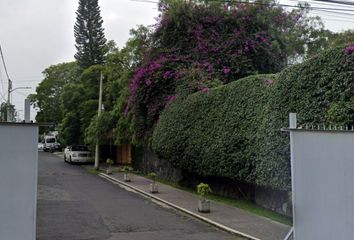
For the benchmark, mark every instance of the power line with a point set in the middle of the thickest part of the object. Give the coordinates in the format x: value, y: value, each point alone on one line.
x: 265, y: 4
x: 337, y: 2
x: 318, y: 2
x: 144, y: 1
x: 3, y: 61
x: 2, y: 96
x: 334, y: 12
x: 2, y: 85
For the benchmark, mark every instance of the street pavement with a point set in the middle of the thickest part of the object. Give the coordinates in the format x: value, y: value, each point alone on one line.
x: 74, y: 204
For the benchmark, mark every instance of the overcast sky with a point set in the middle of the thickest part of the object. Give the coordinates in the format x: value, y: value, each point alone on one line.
x: 35, y: 34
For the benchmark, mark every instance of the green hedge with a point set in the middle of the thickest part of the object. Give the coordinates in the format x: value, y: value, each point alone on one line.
x: 234, y: 130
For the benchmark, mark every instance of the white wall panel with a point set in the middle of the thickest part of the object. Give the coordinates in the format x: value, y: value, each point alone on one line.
x: 323, y: 184
x: 18, y: 181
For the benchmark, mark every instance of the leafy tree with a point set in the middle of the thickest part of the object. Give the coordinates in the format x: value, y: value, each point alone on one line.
x: 69, y: 129
x: 201, y: 44
x: 342, y: 38
x: 47, y: 97
x: 101, y: 127
x: 6, y: 110
x: 80, y: 100
x: 89, y: 34
x: 116, y: 122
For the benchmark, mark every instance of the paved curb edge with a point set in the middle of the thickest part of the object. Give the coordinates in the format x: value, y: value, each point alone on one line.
x: 215, y: 224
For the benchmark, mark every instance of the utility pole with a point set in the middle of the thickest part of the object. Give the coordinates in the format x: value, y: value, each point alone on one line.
x: 10, y: 113
x: 9, y: 90
x: 97, y: 152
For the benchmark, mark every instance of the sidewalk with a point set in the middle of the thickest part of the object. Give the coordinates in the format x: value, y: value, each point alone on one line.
x: 225, y: 217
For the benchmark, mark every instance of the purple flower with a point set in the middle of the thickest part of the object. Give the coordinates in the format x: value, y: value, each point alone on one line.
x: 205, y: 90
x: 167, y: 74
x: 349, y: 49
x: 268, y: 82
x: 226, y: 70
x: 247, y: 18
x: 171, y: 97
x: 126, y: 109
x: 148, y: 82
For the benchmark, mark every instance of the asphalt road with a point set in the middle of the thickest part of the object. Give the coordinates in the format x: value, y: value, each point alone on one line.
x: 74, y: 204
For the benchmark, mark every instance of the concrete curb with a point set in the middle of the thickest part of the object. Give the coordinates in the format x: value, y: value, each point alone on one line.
x: 204, y: 219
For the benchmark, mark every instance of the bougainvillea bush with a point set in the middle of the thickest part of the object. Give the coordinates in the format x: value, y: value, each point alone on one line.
x: 197, y: 45
x: 233, y: 131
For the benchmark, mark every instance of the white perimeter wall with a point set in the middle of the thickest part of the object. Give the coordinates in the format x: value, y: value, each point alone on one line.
x: 323, y: 184
x: 18, y: 181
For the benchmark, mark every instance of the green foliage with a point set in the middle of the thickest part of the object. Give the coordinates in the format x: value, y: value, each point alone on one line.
x: 47, y: 97
x: 109, y: 161
x: 100, y: 129
x: 69, y: 129
x: 89, y: 35
x: 203, y: 189
x: 234, y: 130
x: 152, y: 176
x: 214, y: 133
x: 69, y: 97
x: 7, y: 111
x: 201, y: 44
x: 80, y: 99
x: 127, y: 169
x: 342, y: 38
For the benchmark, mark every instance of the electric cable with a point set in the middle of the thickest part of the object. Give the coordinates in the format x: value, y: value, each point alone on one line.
x: 4, y: 64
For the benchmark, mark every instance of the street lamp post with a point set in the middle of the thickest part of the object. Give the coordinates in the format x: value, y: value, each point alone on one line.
x: 9, y: 91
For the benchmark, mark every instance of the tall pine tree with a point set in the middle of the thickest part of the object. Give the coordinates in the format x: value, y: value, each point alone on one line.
x: 89, y: 34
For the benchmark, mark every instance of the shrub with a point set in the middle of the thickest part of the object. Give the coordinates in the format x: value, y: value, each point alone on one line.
x: 234, y: 130
x: 109, y: 161
x: 196, y: 46
x: 152, y: 176
x: 203, y: 189
x: 127, y: 169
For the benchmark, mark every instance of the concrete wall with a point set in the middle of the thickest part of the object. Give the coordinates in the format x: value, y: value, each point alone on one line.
x: 323, y: 184
x: 18, y: 181
x: 145, y: 160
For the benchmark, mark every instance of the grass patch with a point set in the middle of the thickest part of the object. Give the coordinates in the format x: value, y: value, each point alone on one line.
x: 241, y: 204
x: 92, y: 170
x: 253, y: 208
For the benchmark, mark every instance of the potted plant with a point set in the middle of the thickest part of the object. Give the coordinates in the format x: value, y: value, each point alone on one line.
x: 109, y: 169
x: 154, y: 188
x: 126, y: 174
x: 203, y: 189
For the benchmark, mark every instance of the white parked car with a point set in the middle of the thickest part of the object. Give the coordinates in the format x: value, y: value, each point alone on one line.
x: 77, y: 154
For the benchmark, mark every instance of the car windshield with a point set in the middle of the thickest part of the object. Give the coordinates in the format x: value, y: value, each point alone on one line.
x: 79, y: 148
x: 50, y: 140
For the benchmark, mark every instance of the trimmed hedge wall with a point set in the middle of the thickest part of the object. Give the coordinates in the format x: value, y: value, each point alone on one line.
x: 234, y: 130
